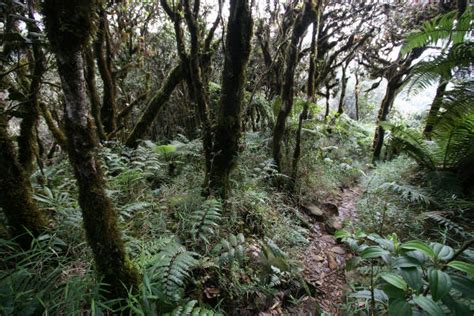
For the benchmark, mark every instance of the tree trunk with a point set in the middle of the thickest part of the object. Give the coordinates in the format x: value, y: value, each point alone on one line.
x: 356, y: 95
x: 301, y: 24
x: 23, y: 217
x: 93, y: 94
x: 154, y: 106
x: 340, y: 108
x: 309, y: 95
x: 434, y: 110
x: 57, y: 133
x: 327, y: 95
x: 387, y: 102
x: 103, y: 56
x: 68, y: 37
x: 228, y: 128
x: 27, y: 144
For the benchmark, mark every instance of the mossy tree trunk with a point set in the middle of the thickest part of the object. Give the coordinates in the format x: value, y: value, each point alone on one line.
x: 228, y: 128
x: 56, y: 131
x: 310, y: 91
x: 68, y: 37
x: 27, y: 140
x: 344, y: 79
x: 357, y: 94
x: 154, y: 106
x: 396, y: 76
x: 92, y: 92
x: 387, y: 102
x: 301, y: 24
x: 24, y: 218
x: 108, y: 111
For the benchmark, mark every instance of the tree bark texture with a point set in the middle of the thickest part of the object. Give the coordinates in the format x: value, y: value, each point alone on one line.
x: 68, y: 37
x: 154, y: 106
x: 92, y: 92
x: 27, y: 140
x: 301, y: 24
x: 344, y: 79
x: 16, y: 196
x: 103, y: 53
x: 357, y: 95
x: 228, y: 128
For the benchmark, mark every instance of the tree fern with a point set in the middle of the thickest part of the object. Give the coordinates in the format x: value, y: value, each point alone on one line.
x: 439, y: 28
x: 172, y: 269
x: 412, y: 143
x: 426, y: 73
x: 206, y: 219
x: 190, y: 309
x: 230, y: 249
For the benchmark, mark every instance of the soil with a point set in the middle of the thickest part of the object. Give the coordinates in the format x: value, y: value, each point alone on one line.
x: 324, y: 262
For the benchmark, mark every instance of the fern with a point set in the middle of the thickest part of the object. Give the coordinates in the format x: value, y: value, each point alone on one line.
x: 442, y: 220
x: 190, y: 309
x: 439, y: 28
x: 172, y: 269
x: 231, y: 249
x: 412, y: 143
x: 206, y: 219
x: 408, y: 192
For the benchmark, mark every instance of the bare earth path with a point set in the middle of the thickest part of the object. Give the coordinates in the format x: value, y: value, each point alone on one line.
x: 324, y: 261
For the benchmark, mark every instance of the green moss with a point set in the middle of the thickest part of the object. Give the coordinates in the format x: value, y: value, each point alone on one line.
x: 24, y: 218
x: 70, y: 23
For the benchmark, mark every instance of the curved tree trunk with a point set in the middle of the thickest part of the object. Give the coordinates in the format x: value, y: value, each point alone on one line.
x: 340, y: 108
x: 228, y: 128
x: 154, y: 106
x: 357, y: 95
x: 24, y: 218
x: 92, y: 92
x: 387, y: 102
x: 68, y: 38
x: 103, y: 56
x: 57, y: 133
x: 301, y: 24
x: 27, y: 140
x: 434, y: 109
x: 309, y: 95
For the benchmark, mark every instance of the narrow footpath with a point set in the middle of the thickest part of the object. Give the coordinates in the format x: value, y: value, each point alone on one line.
x: 324, y: 259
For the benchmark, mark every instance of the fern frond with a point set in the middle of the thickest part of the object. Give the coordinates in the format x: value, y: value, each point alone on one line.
x: 206, y: 219
x: 408, y: 192
x: 172, y: 270
x: 440, y: 28
x: 231, y: 249
x: 441, y: 220
x: 190, y: 309
x: 411, y: 142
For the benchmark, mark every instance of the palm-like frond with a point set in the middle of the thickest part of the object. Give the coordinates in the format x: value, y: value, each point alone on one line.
x: 442, y: 27
x: 413, y: 143
x: 426, y: 73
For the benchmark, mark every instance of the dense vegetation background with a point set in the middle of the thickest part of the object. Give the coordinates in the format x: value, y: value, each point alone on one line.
x: 245, y: 157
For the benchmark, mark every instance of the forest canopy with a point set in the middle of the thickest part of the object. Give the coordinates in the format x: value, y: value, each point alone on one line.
x: 240, y: 157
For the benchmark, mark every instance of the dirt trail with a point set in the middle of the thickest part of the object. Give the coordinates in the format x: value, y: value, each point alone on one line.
x: 324, y: 261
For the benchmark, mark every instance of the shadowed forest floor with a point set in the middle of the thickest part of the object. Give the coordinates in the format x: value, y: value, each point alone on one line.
x: 324, y: 262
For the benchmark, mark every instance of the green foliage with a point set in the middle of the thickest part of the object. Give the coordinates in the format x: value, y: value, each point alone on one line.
x: 231, y: 249
x: 410, y: 276
x: 206, y: 219
x: 190, y: 308
x: 440, y: 28
x: 171, y: 271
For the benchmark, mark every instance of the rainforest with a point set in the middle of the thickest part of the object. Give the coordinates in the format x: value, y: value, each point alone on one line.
x: 236, y: 157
